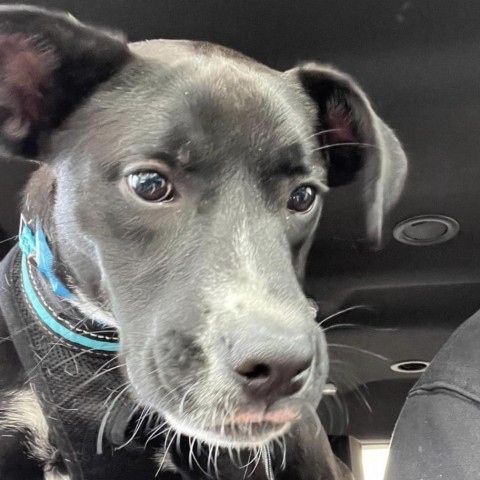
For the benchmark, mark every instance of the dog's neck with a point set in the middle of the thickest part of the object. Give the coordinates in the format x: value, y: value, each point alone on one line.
x: 74, y: 268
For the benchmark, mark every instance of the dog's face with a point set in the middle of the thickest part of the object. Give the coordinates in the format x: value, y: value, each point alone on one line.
x: 188, y: 184
x: 197, y: 191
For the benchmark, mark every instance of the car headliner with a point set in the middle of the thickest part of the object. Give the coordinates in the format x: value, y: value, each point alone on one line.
x: 418, y: 61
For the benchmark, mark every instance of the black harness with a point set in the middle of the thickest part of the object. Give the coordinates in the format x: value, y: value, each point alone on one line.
x: 80, y: 389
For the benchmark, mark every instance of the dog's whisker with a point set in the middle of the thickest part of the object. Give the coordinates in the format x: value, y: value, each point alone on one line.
x: 342, y: 407
x: 210, y: 459
x: 251, y: 459
x: 184, y: 398
x: 322, y: 132
x: 216, y: 460
x: 200, y: 467
x: 259, y: 457
x: 190, y: 452
x: 247, y: 464
x: 239, y: 459
x: 158, y: 432
x: 94, y: 377
x: 326, y: 403
x: 357, y: 326
x: 348, y: 380
x: 360, y: 350
x: 12, y: 336
x: 75, y: 391
x: 283, y: 465
x: 7, y: 240
x: 138, y: 424
x: 277, y: 442
x: 41, y: 359
x: 199, y: 448
x: 361, y: 397
x: 344, y: 144
x: 103, y: 423
x: 114, y: 391
x: 22, y: 159
x: 166, y: 452
x: 315, y: 418
x: 98, y: 375
x: 342, y: 312
x: 178, y: 443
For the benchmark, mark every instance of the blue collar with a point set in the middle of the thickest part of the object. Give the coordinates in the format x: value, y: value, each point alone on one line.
x: 34, y: 245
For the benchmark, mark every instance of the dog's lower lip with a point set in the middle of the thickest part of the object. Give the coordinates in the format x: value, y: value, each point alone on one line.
x: 279, y: 417
x: 243, y: 435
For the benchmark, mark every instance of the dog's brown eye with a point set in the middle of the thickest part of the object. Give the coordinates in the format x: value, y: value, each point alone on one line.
x: 151, y: 186
x: 301, y: 199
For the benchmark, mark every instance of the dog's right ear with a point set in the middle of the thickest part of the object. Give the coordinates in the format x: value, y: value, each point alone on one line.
x: 49, y: 64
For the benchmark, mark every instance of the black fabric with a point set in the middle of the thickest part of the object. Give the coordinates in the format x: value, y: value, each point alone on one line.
x: 76, y: 388
x: 437, y: 436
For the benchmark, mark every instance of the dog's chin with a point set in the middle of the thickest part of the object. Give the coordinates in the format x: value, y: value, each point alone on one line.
x: 233, y: 435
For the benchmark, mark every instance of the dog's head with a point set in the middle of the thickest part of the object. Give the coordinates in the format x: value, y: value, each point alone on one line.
x: 184, y: 186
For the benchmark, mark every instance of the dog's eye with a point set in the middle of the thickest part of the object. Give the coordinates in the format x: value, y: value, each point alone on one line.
x: 301, y: 199
x: 151, y: 186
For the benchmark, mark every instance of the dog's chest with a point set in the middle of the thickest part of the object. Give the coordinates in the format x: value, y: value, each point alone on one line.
x: 24, y: 432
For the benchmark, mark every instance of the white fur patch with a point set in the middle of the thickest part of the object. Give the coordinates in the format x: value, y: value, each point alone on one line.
x: 23, y: 412
x: 56, y: 476
x: 93, y: 311
x: 164, y: 460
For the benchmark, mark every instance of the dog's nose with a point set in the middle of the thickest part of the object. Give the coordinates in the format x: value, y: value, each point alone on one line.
x: 271, y: 367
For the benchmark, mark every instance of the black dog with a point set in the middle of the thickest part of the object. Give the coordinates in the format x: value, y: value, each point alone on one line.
x: 155, y: 322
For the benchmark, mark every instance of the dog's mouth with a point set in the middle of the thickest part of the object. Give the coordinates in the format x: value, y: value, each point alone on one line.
x: 244, y: 429
x: 276, y: 417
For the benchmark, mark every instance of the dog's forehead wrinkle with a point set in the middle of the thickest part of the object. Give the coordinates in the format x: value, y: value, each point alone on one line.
x: 234, y: 87
x: 251, y: 99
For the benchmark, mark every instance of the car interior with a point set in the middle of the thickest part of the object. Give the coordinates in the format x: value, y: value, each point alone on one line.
x: 385, y: 313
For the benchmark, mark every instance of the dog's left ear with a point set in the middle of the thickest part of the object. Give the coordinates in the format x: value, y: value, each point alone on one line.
x: 49, y: 64
x: 355, y: 140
